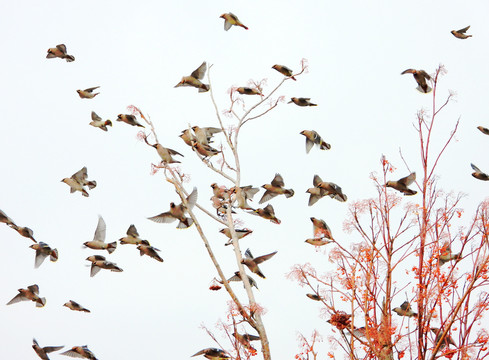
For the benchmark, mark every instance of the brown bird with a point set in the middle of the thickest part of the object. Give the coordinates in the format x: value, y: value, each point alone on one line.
x: 5, y: 219
x: 478, y: 174
x: 146, y: 249
x: 313, y: 138
x: 187, y: 136
x: 332, y: 190
x: 221, y: 206
x: 213, y: 354
x: 80, y: 352
x: 275, y: 188
x: 166, y: 154
x: 318, y: 242
x: 420, y: 76
x: 221, y: 192
x: 99, y: 123
x: 249, y: 91
x: 267, y: 213
x: 240, y: 233
x: 78, y: 181
x: 405, y: 310
x: 230, y: 19
x: 447, y: 341
x: 314, y: 297
x: 98, y: 242
x: 59, y: 52
x: 237, y: 277
x: 31, y: 293
x: 301, y: 101
x: 177, y: 212
x: 43, y: 352
x: 244, y: 193
x: 42, y: 252
x: 129, y: 119
x: 403, y: 183
x: 320, y: 229
x: 284, y: 70
x: 204, y: 150
x: 99, y: 262
x: 205, y: 134
x: 88, y: 93
x: 461, y: 33
x: 194, y: 79
x: 483, y: 130
x: 252, y: 262
x: 24, y: 231
x: 316, y: 192
x: 244, y: 339
x: 132, y: 237
x: 73, y: 305
x: 446, y: 254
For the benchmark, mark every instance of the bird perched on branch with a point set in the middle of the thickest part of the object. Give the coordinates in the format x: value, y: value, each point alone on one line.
x: 80, y: 352
x: 98, y: 242
x: 43, y: 352
x: 447, y: 341
x: 284, y: 70
x: 29, y: 294
x: 301, y: 101
x: 88, y: 93
x: 42, y: 252
x: 245, y: 339
x: 204, y: 150
x: 244, y: 193
x: 146, y: 249
x: 252, y: 262
x: 478, y: 174
x: 420, y: 76
x: 267, y: 213
x: 73, y: 305
x: 99, y: 123
x: 78, y: 181
x: 204, y: 135
x: 177, y: 212
x: 213, y: 354
x: 405, y: 310
x: 461, y: 33
x: 194, y: 79
x: 313, y: 138
x: 99, y: 262
x: 403, y: 183
x: 230, y: 19
x: 249, y: 91
x: 275, y: 188
x: 59, y: 52
x: 129, y: 119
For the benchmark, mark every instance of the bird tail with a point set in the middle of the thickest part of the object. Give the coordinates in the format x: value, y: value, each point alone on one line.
x: 91, y: 184
x: 84, y: 193
x: 111, y: 247
x: 243, y: 26
x: 293, y: 78
x: 275, y: 221
x: 324, y: 146
x: 204, y: 88
x: 54, y: 255
x: 41, y: 302
x: 289, y: 193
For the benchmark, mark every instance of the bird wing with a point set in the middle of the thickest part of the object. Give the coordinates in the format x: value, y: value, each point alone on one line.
x: 248, y: 254
x: 163, y: 218
x: 34, y: 288
x: 278, y: 181
x: 62, y: 48
x: 408, y: 180
x: 227, y: 25
x: 17, y: 298
x: 463, y: 30
x: 268, y: 195
x: 269, y: 209
x: 316, y: 180
x: 408, y: 71
x: 91, y: 89
x: 173, y: 152
x: 132, y: 231
x: 80, y: 176
x: 424, y: 74
x: 35, y: 342
x: 192, y: 199
x: 263, y: 258
x: 49, y: 349
x: 73, y: 354
x: 200, y: 71
x: 475, y: 168
x: 405, y: 306
x: 250, y: 191
x: 95, y: 117
x: 100, y: 230
x: 40, y: 256
x: 309, y: 145
x: 93, y: 271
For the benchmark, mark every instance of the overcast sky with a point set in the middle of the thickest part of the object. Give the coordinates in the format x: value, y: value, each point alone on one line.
x: 136, y: 52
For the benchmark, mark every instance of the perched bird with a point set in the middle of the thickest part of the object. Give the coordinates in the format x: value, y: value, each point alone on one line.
x: 221, y: 206
x: 240, y: 233
x: 313, y: 138
x: 230, y: 19
x: 275, y: 188
x: 42, y: 252
x: 205, y: 134
x: 187, y: 136
x: 244, y: 193
x: 237, y: 277
x: 5, y: 219
x: 221, y: 192
x: 129, y: 119
x: 403, y: 183
x: 43, y: 352
x: 284, y: 70
x: 99, y: 262
x: 59, y: 52
x: 332, y: 190
x: 360, y: 332
x: 244, y: 339
x: 461, y: 33
x: 267, y: 213
x: 249, y: 91
x: 447, y: 341
x: 24, y: 231
x: 478, y: 174
x: 420, y: 76
x: 166, y: 154
x: 98, y: 242
x: 31, y: 293
x: 99, y: 123
x: 405, y: 310
x: 80, y: 352
x: 252, y: 262
x: 301, y: 101
x: 88, y: 93
x: 146, y: 249
x: 78, y: 181
x: 212, y: 353
x: 320, y: 229
x: 132, y: 237
x: 318, y: 241
x: 316, y: 192
x: 483, y: 130
x: 177, y: 212
x: 446, y: 254
x: 314, y: 297
x: 73, y: 305
x: 204, y: 150
x: 194, y: 79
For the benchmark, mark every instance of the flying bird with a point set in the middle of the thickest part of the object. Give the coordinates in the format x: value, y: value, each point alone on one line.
x: 240, y: 233
x: 129, y: 119
x: 78, y: 181
x: 237, y: 277
x: 73, y: 305
x: 284, y: 70
x: 80, y: 352
x: 249, y: 91
x: 483, y: 129
x: 275, y: 188
x: 460, y: 34
x: 5, y: 219
x: 99, y: 123
x: 267, y: 213
x: 24, y: 231
x: 318, y: 242
x: 205, y: 134
x: 29, y: 294
x: 146, y: 249
x: 177, y: 212
x: 99, y: 262
x: 132, y: 237
x: 244, y: 339
x: 88, y: 93
x: 213, y: 354
x: 332, y: 190
x: 301, y: 101
x: 478, y: 174
x: 252, y: 262
x: 194, y: 79
x: 320, y: 229
x: 405, y: 310
x: 230, y: 19
x: 316, y: 192
x: 446, y: 254
x: 420, y: 76
x: 43, y: 352
x: 314, y: 297
x: 244, y: 193
x: 403, y: 183
x: 42, y: 252
x: 313, y: 138
x: 59, y: 52
x: 98, y: 242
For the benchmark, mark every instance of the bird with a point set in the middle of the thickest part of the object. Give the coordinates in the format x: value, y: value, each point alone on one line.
x: 146, y: 249
x: 73, y: 305
x: 313, y: 138
x: 212, y: 353
x: 301, y: 101
x: 132, y: 237
x: 446, y: 254
x: 59, y: 52
x: 403, y: 183
x: 88, y: 93
x: 284, y: 70
x: 267, y: 213
x: 187, y: 136
x: 244, y: 339
x: 5, y: 219
x: 420, y: 76
x: 78, y: 181
x: 483, y: 129
x: 332, y: 190
x: 478, y: 174
x: 244, y: 193
x: 204, y: 150
x: 447, y: 341
x: 31, y: 293
x: 166, y: 154
x: 252, y: 262
x: 240, y: 233
x: 320, y: 229
x: 99, y: 262
x: 204, y: 135
x: 43, y: 352
x: 460, y: 34
x: 99, y: 123
x: 314, y: 297
x: 405, y: 310
x: 316, y: 192
x: 177, y: 212
x: 42, y: 252
x: 220, y: 192
x: 230, y: 19
x: 129, y: 119
x: 318, y: 242
x: 249, y: 91
x: 98, y: 242
x: 24, y: 231
x: 194, y: 79
x: 275, y: 188
x: 80, y: 352
x: 237, y: 277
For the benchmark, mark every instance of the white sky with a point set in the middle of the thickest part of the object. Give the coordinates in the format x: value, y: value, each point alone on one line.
x: 136, y: 52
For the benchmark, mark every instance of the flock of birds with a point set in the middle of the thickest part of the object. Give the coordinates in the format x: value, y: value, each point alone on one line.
x: 199, y: 139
